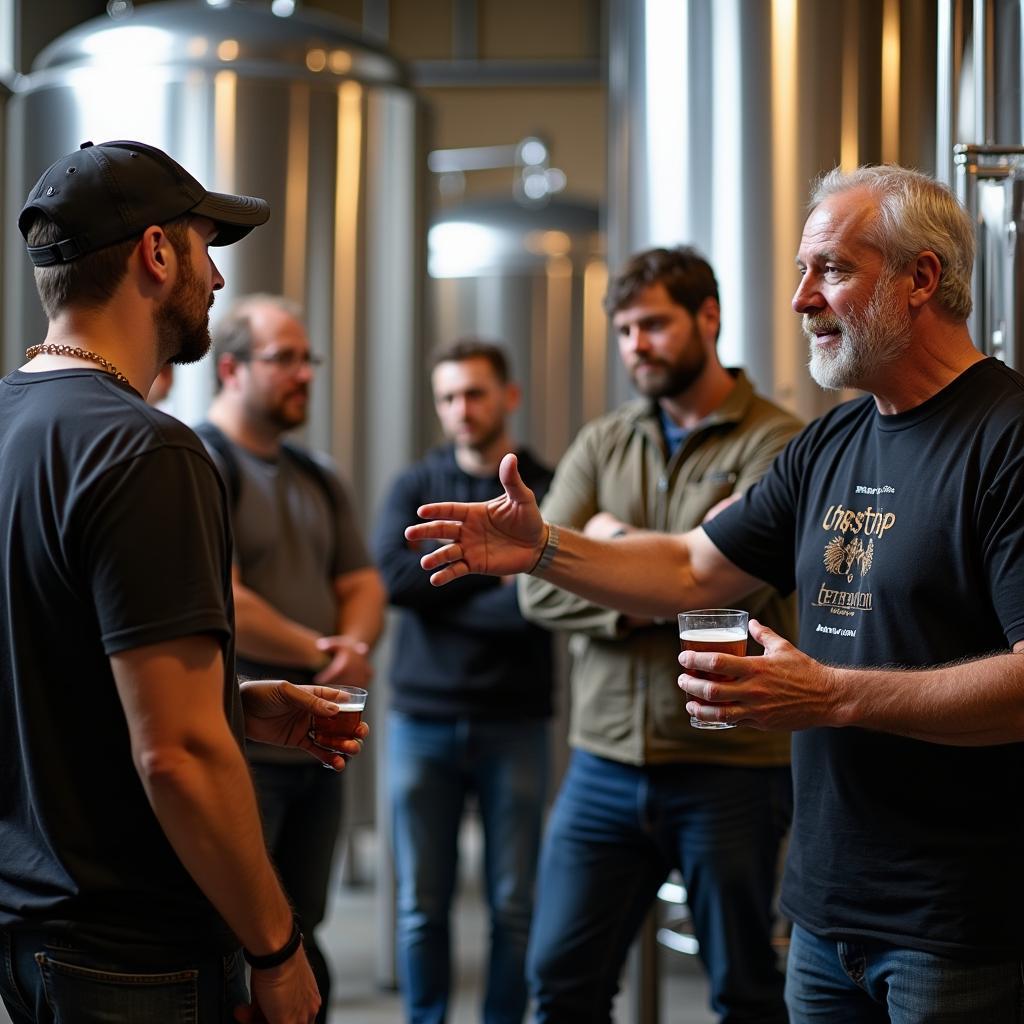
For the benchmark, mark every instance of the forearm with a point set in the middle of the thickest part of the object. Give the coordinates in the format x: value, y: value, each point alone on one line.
x: 361, y: 601
x: 264, y: 634
x: 645, y: 574
x: 974, y: 703
x: 203, y: 797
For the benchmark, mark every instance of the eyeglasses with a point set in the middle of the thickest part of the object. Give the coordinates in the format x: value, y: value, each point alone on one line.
x: 286, y: 359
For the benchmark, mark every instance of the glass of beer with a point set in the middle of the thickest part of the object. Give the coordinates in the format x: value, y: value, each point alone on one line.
x: 713, y: 629
x: 327, y: 731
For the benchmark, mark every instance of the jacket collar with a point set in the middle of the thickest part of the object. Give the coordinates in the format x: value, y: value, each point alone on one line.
x: 645, y: 412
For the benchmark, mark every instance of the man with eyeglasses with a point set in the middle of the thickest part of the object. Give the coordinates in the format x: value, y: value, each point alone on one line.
x: 308, y: 602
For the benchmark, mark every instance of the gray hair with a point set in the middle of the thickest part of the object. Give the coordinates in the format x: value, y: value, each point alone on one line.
x: 915, y: 213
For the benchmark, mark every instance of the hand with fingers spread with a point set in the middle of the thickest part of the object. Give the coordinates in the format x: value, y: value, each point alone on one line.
x: 499, y: 537
x: 278, y: 712
x: 780, y: 690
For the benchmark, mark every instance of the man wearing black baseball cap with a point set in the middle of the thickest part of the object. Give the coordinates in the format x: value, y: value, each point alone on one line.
x: 133, y: 862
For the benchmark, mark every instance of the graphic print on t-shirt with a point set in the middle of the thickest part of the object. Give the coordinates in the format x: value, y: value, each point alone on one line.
x: 856, y: 539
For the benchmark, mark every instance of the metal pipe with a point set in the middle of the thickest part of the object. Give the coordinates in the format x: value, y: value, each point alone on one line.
x: 983, y: 71
x: 947, y: 74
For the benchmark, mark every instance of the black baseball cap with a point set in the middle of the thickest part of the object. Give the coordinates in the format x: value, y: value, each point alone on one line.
x: 104, y: 194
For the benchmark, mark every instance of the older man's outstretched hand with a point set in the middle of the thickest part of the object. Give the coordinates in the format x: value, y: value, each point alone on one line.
x: 499, y: 537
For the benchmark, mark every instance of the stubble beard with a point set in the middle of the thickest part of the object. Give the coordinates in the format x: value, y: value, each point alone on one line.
x: 870, y: 339
x: 183, y: 321
x: 670, y: 379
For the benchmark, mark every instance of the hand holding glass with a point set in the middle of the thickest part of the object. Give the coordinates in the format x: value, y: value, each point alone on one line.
x: 327, y: 731
x: 723, y: 630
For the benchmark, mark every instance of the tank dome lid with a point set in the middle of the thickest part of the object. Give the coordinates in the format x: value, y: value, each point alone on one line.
x: 559, y: 213
x: 487, y: 236
x: 246, y: 37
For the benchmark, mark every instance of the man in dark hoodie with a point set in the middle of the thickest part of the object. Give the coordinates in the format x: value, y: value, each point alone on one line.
x: 471, y: 696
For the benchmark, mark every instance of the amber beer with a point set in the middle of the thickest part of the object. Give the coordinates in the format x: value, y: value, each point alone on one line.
x: 720, y: 630
x: 724, y: 641
x: 329, y: 731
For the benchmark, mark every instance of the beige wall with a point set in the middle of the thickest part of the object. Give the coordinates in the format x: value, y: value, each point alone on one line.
x: 571, y: 117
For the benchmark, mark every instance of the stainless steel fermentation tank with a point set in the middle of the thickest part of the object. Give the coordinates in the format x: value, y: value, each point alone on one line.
x: 721, y: 112
x: 302, y: 111
x: 532, y: 278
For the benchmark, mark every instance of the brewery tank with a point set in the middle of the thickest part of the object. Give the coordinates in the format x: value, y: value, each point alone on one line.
x: 531, y: 277
x: 300, y: 110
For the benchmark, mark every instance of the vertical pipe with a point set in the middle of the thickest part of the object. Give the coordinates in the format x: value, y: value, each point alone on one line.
x: 945, y: 90
x: 890, y: 112
x: 296, y: 208
x: 595, y: 340
x: 982, y: 71
x: 787, y: 194
x: 849, y: 134
x: 348, y: 164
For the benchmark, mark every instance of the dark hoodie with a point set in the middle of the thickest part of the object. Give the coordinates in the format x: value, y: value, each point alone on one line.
x: 462, y: 649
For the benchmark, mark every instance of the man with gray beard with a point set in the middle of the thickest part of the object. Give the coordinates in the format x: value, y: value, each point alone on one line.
x: 899, y: 521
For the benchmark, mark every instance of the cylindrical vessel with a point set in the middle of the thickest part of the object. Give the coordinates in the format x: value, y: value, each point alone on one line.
x: 301, y: 111
x: 721, y: 114
x: 532, y: 278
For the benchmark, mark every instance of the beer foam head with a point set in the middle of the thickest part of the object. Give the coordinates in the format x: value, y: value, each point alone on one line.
x: 714, y: 635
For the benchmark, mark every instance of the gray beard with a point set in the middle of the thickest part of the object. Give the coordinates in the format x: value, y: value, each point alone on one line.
x: 869, y: 340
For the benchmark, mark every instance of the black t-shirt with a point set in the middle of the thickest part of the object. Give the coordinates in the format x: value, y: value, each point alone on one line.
x: 112, y: 535
x: 904, y: 536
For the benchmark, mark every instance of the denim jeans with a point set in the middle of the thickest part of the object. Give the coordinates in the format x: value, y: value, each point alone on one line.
x: 301, y: 809
x: 869, y: 982
x: 433, y: 765
x: 615, y: 832
x: 45, y: 979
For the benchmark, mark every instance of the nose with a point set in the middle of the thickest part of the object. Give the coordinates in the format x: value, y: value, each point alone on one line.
x: 218, y: 280
x: 807, y: 298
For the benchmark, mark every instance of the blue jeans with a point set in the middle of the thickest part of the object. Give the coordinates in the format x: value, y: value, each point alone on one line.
x: 870, y: 982
x: 301, y: 809
x: 615, y: 832
x: 433, y: 765
x: 45, y: 979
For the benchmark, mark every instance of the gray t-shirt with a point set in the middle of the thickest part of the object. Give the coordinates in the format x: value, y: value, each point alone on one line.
x: 286, y: 548
x: 288, y: 551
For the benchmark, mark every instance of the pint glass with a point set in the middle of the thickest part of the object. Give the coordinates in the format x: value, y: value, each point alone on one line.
x: 713, y: 629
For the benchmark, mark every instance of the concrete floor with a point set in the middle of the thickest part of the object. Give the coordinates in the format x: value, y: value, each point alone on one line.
x: 350, y: 937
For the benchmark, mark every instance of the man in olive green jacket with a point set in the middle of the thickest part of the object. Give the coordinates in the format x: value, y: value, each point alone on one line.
x: 645, y: 792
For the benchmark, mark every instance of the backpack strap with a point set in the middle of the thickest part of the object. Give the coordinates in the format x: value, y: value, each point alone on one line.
x: 216, y: 439
x: 224, y: 448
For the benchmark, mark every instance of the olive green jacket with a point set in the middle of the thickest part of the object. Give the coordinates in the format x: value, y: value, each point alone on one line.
x: 626, y: 704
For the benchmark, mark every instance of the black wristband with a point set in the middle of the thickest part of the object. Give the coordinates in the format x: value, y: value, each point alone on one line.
x: 286, y: 952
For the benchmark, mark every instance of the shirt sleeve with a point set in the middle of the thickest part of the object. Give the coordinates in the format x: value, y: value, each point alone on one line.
x: 758, y: 532
x: 156, y: 549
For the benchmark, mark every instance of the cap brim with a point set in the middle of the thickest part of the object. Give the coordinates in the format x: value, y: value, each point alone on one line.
x: 235, y: 216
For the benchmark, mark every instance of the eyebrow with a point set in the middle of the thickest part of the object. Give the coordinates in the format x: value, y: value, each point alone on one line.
x: 825, y: 256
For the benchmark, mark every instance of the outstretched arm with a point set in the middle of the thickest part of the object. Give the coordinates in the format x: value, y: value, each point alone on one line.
x: 643, y: 574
